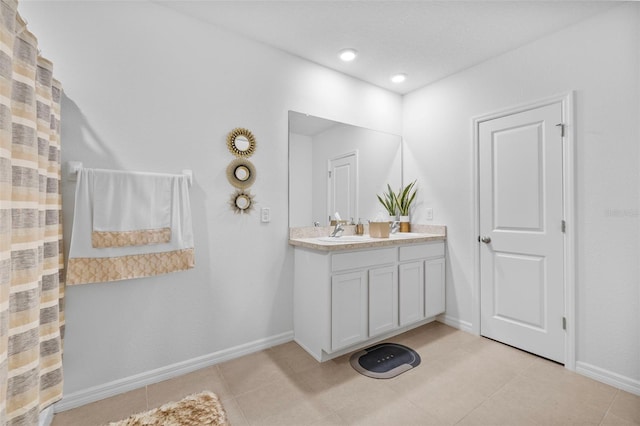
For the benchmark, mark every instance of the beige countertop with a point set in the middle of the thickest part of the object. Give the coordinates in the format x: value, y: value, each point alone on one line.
x: 316, y: 238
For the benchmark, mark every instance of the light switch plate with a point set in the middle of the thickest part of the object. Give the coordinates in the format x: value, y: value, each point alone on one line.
x: 265, y: 215
x: 429, y: 212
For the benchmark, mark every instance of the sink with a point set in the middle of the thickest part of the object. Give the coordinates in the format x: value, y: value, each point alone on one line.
x: 401, y: 235
x: 345, y: 239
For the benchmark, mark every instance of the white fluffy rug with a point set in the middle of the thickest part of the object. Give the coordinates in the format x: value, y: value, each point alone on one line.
x: 202, y: 409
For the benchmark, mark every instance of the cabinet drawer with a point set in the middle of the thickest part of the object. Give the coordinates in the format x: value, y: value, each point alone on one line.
x: 362, y: 259
x: 422, y: 251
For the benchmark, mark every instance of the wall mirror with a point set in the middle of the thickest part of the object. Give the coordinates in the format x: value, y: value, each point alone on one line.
x: 241, y: 201
x: 241, y: 173
x: 338, y: 166
x: 241, y: 142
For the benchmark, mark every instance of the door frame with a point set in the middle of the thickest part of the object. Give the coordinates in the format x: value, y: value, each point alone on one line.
x: 566, y: 101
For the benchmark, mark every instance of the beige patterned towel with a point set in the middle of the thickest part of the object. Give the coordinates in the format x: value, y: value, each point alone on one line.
x: 89, y: 264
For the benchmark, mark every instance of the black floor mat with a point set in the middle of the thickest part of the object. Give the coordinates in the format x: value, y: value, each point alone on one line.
x: 385, y: 360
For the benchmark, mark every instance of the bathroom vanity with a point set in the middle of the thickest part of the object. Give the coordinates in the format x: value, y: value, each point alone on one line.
x: 352, y: 292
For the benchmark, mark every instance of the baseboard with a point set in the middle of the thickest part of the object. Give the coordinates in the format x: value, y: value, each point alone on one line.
x: 46, y: 416
x: 605, y: 376
x: 96, y: 393
x: 455, y: 323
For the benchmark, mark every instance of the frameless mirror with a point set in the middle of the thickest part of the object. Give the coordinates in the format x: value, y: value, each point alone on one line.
x: 242, y: 173
x: 242, y: 202
x: 241, y: 143
x: 339, y: 167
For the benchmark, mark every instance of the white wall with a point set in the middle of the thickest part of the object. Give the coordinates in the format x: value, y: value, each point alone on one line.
x: 599, y: 59
x: 148, y: 89
x: 300, y: 179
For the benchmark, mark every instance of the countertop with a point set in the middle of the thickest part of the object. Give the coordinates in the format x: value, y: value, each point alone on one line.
x: 309, y: 238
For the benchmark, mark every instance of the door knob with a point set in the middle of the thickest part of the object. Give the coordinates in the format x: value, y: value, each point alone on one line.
x: 486, y: 240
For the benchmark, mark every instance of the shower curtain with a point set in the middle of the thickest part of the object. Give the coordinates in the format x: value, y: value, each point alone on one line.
x: 31, y: 287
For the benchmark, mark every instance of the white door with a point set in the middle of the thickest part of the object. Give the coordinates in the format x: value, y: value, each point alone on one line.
x: 343, y: 185
x: 521, y: 214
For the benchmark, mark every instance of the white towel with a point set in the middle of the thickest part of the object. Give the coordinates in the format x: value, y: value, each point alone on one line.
x: 131, y: 208
x: 89, y: 264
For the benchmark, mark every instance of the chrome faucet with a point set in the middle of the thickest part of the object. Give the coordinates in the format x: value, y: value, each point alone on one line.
x: 338, y: 230
x: 394, y: 226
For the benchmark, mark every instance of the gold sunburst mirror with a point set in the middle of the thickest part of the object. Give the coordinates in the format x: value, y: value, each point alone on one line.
x: 241, y: 142
x: 241, y: 173
x: 241, y: 201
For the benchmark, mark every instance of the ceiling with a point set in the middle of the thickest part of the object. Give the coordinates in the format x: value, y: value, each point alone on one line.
x: 427, y: 40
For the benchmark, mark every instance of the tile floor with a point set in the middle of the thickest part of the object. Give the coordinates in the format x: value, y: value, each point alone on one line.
x: 462, y: 380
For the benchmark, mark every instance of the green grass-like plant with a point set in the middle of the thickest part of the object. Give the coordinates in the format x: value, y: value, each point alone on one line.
x: 405, y: 197
x: 388, y: 200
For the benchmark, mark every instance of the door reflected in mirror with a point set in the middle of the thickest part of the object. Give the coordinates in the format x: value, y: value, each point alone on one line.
x: 337, y: 166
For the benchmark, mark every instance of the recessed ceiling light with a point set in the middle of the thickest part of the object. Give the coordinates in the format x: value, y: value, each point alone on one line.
x: 399, y: 78
x: 348, y: 55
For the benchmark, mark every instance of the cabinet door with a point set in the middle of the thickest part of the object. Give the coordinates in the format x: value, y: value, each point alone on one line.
x: 348, y: 309
x: 411, y: 289
x: 383, y: 300
x: 434, y: 287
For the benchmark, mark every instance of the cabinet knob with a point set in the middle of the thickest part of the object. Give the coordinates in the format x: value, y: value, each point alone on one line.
x: 486, y: 240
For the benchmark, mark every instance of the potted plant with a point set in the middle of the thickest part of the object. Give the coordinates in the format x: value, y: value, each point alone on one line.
x: 388, y: 200
x: 403, y: 200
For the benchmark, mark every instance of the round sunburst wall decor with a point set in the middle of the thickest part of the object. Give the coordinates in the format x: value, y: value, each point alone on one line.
x: 241, y: 142
x: 241, y: 201
x: 241, y: 173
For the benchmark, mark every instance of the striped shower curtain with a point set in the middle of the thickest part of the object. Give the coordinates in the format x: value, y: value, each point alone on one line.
x: 31, y: 287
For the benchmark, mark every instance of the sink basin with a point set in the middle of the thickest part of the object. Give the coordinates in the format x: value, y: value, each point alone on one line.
x: 345, y: 239
x: 407, y: 235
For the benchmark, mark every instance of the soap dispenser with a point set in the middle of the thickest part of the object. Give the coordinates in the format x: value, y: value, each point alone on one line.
x: 359, y: 227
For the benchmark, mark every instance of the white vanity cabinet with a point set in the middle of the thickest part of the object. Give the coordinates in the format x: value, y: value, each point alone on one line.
x: 346, y: 299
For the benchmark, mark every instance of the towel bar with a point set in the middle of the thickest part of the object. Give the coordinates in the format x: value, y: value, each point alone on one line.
x: 73, y: 167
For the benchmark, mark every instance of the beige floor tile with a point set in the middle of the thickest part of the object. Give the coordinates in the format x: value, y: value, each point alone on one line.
x: 294, y: 356
x: 331, y: 420
x: 497, y: 412
x: 338, y: 387
x: 253, y: 371
x: 396, y: 412
x: 505, y: 355
x: 274, y: 398
x: 235, y: 416
x: 462, y: 379
x: 206, y: 379
x: 479, y: 371
x: 547, y: 404
x: 439, y: 344
x: 447, y: 398
x: 626, y: 406
x: 100, y: 412
x: 613, y: 420
x: 298, y: 413
x: 569, y: 386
